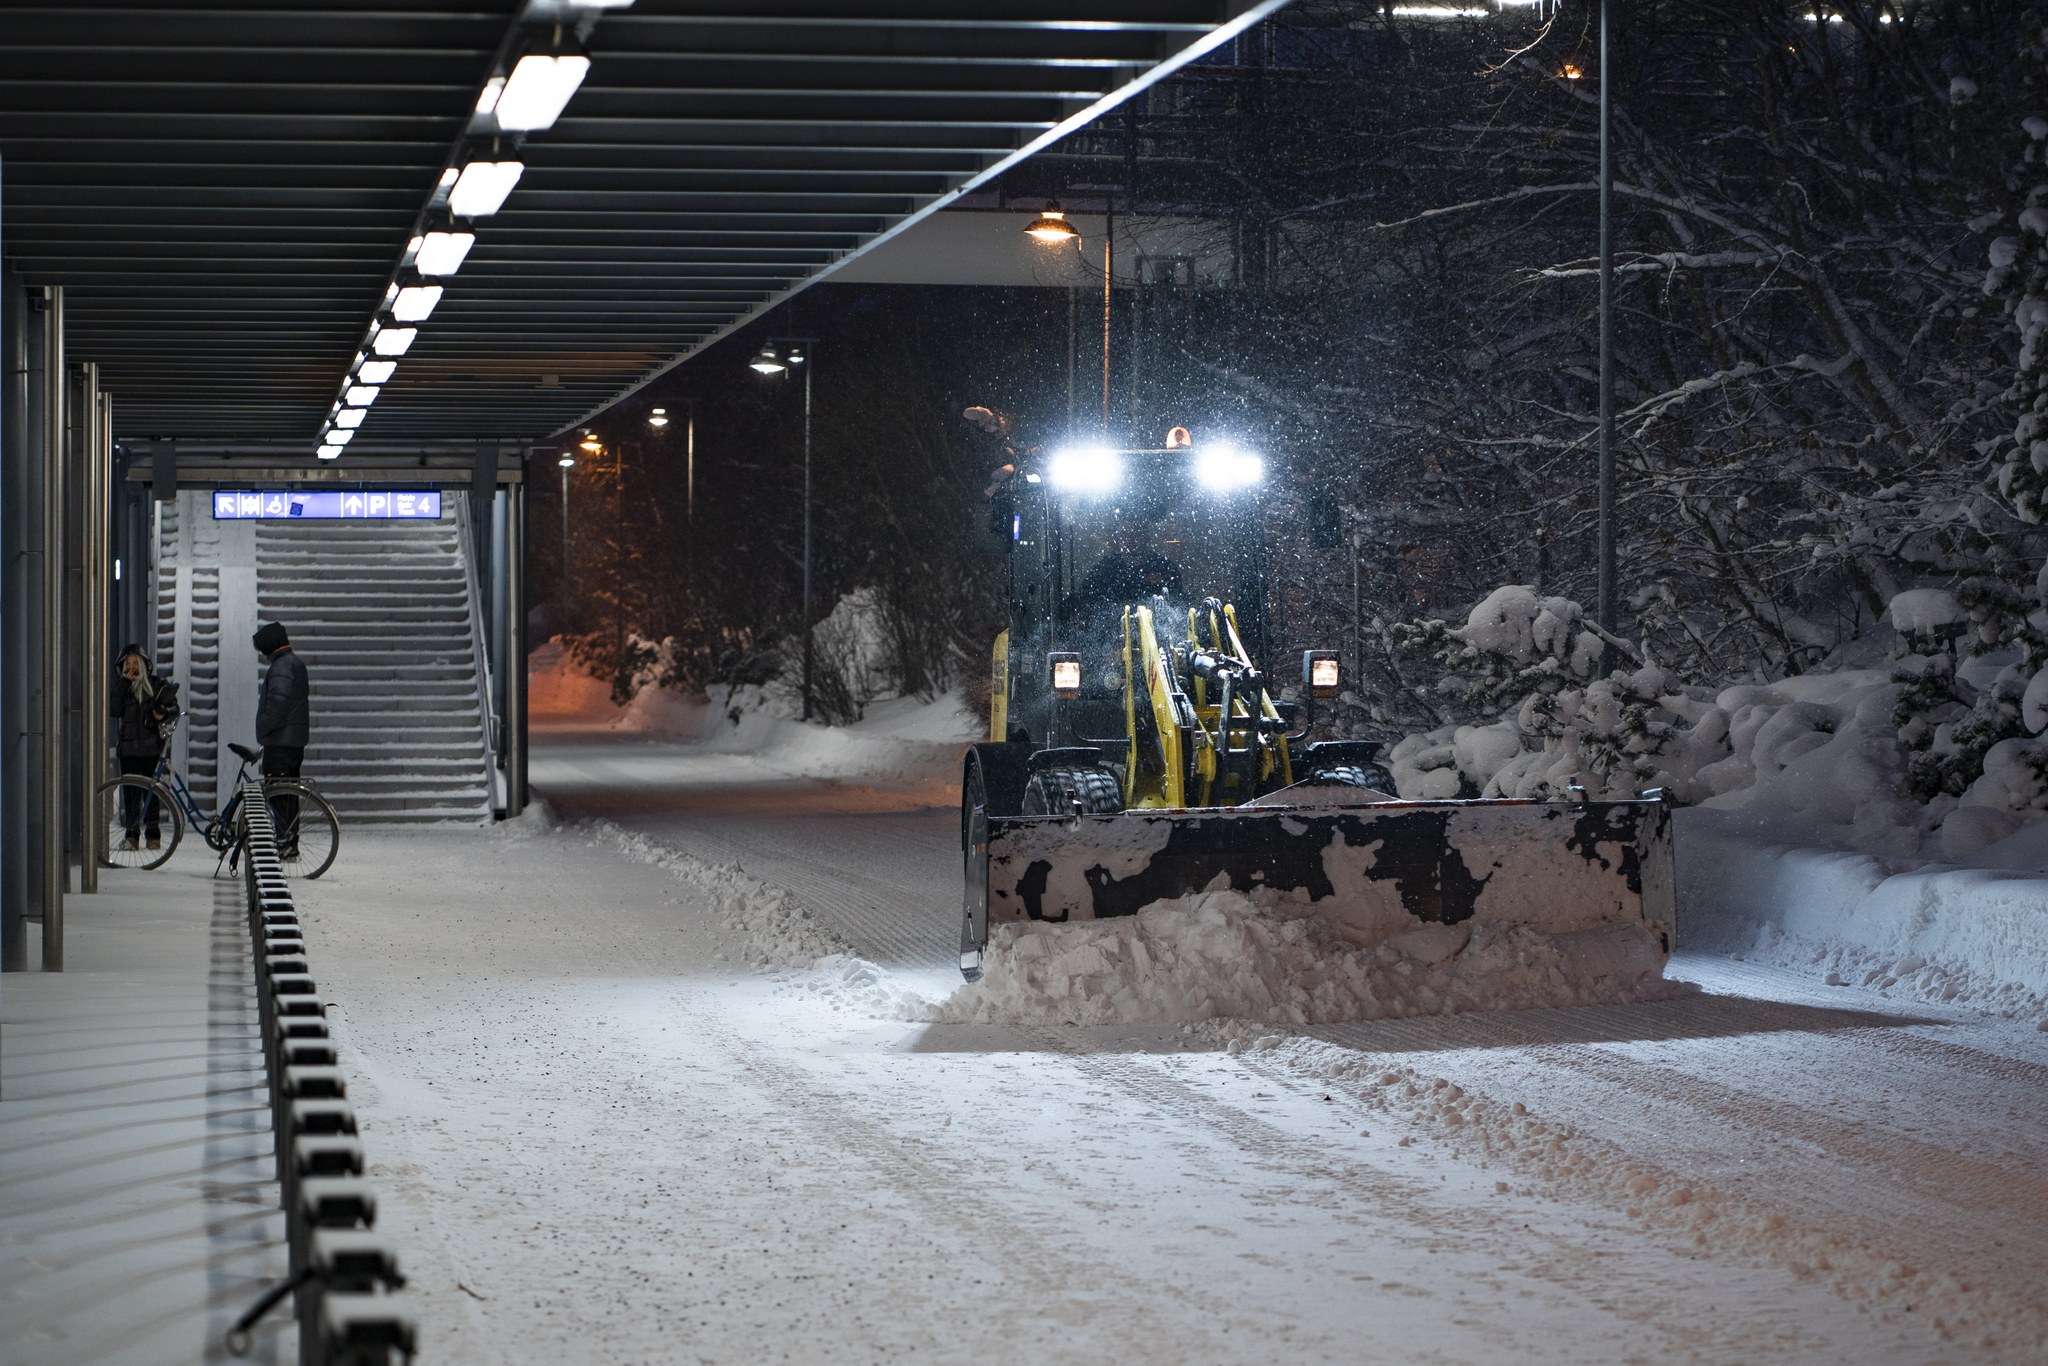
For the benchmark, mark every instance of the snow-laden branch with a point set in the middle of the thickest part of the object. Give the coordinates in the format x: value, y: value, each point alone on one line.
x: 1643, y: 263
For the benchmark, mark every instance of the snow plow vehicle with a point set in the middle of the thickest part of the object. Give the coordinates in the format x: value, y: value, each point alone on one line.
x: 1139, y: 753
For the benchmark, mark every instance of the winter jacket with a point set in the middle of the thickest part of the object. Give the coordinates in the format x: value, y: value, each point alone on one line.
x: 282, y: 714
x: 139, y: 734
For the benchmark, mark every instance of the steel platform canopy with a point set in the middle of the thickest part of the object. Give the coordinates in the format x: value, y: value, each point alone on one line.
x: 228, y: 191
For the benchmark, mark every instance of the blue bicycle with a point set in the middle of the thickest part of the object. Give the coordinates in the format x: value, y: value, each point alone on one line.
x: 141, y: 820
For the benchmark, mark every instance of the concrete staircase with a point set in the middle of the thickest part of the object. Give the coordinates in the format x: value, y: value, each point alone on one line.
x: 187, y: 643
x: 382, y: 613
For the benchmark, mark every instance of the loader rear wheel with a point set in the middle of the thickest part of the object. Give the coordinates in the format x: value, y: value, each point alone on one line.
x: 1374, y: 776
x: 1057, y: 791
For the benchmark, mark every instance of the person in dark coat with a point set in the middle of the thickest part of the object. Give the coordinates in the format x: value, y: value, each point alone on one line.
x: 143, y: 704
x: 283, y: 723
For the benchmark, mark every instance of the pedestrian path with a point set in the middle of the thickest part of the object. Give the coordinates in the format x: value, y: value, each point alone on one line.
x: 138, y: 1205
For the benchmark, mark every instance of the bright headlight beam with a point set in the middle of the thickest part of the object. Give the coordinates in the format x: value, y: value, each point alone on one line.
x: 394, y: 341
x: 537, y: 90
x: 1086, y: 469
x: 481, y: 188
x: 1223, y: 467
x: 442, y: 253
x: 376, y: 371
x: 415, y: 303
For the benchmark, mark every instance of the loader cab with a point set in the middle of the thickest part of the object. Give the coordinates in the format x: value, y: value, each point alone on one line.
x: 1094, y: 528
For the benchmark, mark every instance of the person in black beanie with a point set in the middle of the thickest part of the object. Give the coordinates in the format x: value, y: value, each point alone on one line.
x: 282, y: 724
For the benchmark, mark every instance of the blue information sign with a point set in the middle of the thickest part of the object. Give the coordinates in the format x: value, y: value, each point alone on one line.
x: 381, y: 504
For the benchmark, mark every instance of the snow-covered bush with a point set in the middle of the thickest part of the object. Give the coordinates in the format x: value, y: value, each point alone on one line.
x: 1524, y: 669
x: 850, y: 664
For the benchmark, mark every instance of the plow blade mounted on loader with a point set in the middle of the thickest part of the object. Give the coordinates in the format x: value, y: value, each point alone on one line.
x: 1372, y: 871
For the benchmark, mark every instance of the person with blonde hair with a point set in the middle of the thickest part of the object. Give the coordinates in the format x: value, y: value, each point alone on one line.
x: 144, y: 703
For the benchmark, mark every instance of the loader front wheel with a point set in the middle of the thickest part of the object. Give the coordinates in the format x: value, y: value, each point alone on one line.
x: 1058, y: 791
x: 1374, y: 776
x: 974, y: 857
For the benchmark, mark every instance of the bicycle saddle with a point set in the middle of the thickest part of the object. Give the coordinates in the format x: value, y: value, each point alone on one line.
x: 245, y: 753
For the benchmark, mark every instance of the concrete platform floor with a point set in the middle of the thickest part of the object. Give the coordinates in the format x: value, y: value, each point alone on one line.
x: 138, y: 1209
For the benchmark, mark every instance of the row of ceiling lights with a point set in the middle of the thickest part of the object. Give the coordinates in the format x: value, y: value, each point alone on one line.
x: 527, y: 99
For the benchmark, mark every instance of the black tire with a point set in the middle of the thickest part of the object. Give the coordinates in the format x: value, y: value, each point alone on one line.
x: 1373, y: 776
x: 1056, y: 791
x: 308, y: 847
x: 110, y: 831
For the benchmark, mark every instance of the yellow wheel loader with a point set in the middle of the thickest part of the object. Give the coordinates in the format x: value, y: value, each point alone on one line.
x: 1138, y: 752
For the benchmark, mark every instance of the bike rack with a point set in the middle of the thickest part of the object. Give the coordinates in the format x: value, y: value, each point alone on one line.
x: 344, y: 1275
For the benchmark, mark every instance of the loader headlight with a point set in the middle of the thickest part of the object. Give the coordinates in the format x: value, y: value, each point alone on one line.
x: 1223, y: 467
x: 1086, y: 469
x: 1066, y: 674
x: 1320, y: 673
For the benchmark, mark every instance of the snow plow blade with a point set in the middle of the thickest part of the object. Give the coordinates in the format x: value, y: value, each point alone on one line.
x: 1371, y: 871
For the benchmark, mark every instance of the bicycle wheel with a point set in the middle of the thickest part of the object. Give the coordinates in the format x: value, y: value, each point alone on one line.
x: 309, y: 837
x: 149, y: 804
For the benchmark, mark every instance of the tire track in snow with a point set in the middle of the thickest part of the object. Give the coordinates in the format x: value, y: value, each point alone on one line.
x: 870, y: 878
x: 1862, y: 1255
x: 1400, y: 1203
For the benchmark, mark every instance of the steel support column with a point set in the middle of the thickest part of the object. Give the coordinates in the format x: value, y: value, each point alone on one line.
x: 515, y: 636
x: 54, y: 876
x: 91, y: 648
x: 19, y: 501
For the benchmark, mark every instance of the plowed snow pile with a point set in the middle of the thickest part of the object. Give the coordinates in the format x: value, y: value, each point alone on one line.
x: 1217, y: 956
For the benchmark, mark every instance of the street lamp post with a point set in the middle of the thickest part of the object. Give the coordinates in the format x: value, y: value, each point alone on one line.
x: 567, y: 462
x: 1053, y: 229
x: 778, y: 356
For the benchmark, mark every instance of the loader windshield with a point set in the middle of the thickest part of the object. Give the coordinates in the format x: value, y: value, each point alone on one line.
x: 1177, y: 549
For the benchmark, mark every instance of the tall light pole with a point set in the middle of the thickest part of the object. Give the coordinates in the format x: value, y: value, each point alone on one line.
x: 1053, y: 229
x: 778, y: 356
x: 567, y: 462
x: 1608, y: 589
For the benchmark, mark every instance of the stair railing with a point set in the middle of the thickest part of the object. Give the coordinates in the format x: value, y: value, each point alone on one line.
x: 479, y: 635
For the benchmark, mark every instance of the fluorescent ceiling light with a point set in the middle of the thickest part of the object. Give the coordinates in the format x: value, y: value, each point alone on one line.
x: 376, y: 371
x: 415, y: 303
x: 393, y: 341
x: 359, y: 395
x: 487, y: 98
x: 448, y: 177
x: 481, y: 188
x: 338, y: 436
x: 351, y: 418
x: 442, y: 253
x: 329, y: 452
x: 537, y: 89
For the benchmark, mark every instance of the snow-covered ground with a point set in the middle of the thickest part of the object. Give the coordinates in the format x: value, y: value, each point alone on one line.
x: 666, y: 1074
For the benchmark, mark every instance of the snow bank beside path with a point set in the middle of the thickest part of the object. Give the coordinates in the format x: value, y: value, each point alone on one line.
x: 1217, y: 956
x: 1926, y: 932
x: 902, y: 740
